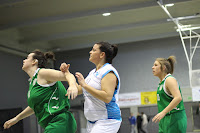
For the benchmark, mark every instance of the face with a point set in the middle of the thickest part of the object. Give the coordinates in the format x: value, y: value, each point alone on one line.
x: 28, y: 61
x: 156, y: 68
x: 95, y: 54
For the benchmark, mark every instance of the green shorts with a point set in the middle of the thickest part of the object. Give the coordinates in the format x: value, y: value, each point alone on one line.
x: 62, y: 123
x: 174, y: 123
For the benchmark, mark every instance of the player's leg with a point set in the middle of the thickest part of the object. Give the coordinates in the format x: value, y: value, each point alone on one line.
x: 62, y: 123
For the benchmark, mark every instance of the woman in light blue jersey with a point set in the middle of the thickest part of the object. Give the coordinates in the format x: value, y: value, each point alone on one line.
x: 100, y: 89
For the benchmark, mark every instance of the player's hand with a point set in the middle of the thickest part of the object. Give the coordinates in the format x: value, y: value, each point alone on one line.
x: 10, y: 123
x: 64, y: 67
x: 81, y: 79
x: 158, y: 117
x: 72, y: 92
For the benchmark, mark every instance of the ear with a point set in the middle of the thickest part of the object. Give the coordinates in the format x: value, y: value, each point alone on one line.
x: 164, y: 68
x: 35, y: 61
x: 102, y: 55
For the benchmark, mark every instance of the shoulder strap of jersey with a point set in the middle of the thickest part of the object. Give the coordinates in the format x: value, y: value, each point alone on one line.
x: 36, y: 73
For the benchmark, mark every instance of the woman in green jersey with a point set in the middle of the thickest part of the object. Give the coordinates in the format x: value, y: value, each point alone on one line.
x: 171, y: 112
x: 47, y: 97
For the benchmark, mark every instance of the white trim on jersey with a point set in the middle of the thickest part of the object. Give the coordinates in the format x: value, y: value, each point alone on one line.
x: 164, y: 88
x: 47, y: 85
x: 36, y: 71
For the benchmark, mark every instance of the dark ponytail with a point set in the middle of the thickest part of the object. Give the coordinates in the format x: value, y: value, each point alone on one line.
x: 115, y: 50
x: 110, y: 50
x: 44, y: 59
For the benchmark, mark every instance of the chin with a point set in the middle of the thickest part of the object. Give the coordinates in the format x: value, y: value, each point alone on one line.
x: 90, y: 60
x: 23, y: 68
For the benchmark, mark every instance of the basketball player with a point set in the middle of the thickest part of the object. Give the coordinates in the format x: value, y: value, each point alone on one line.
x: 100, y: 89
x: 171, y: 112
x: 46, y: 95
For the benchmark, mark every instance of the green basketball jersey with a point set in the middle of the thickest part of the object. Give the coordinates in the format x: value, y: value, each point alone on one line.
x: 164, y: 99
x: 47, y: 100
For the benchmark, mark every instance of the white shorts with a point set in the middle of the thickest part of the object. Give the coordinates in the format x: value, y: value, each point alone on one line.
x: 104, y: 126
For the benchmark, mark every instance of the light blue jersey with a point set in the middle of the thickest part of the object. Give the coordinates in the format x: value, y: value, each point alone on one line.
x: 95, y: 109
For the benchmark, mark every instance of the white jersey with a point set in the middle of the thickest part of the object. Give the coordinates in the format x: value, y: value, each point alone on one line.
x: 95, y: 109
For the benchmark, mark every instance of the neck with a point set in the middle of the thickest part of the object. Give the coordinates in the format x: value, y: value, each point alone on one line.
x: 162, y: 76
x: 99, y: 65
x: 31, y: 71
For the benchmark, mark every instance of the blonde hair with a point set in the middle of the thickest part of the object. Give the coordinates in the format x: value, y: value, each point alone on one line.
x: 168, y: 63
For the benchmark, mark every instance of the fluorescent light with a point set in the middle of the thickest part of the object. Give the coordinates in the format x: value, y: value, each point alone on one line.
x: 168, y: 5
x: 106, y: 14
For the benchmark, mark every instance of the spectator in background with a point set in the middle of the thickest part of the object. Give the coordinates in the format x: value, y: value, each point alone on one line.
x: 198, y: 108
x: 144, y: 122
x: 139, y: 123
x: 132, y: 121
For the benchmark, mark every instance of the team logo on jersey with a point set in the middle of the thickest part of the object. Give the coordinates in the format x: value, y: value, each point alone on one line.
x: 158, y: 97
x: 55, y: 107
x: 177, y: 108
x: 97, y: 73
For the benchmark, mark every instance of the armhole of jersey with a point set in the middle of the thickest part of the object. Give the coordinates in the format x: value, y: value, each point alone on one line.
x: 115, y: 75
x: 45, y: 85
x: 164, y: 88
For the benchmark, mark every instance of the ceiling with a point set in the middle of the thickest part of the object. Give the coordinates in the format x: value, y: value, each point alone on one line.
x: 59, y: 25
